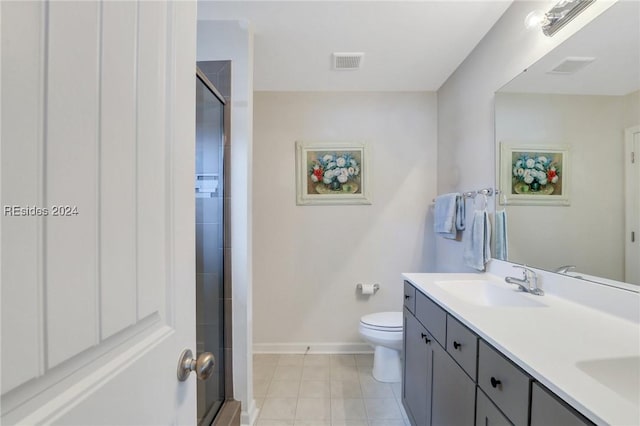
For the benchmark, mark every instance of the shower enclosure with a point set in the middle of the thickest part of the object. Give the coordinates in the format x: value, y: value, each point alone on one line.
x: 210, y: 244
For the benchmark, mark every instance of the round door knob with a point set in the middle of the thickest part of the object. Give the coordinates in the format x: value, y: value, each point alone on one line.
x: 456, y: 345
x: 203, y: 365
x: 495, y: 382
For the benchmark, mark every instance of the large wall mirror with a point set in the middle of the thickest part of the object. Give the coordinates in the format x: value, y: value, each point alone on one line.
x: 565, y: 130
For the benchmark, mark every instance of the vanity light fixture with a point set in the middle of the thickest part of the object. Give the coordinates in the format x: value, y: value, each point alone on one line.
x: 558, y: 16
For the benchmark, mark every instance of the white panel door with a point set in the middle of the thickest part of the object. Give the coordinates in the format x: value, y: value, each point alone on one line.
x: 98, y: 252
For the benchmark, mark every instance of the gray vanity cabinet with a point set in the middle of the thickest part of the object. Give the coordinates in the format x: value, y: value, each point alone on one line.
x: 548, y: 410
x: 436, y: 390
x: 453, y: 377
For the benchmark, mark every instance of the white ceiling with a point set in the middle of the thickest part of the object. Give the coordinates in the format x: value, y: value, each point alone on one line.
x: 613, y: 38
x: 408, y: 45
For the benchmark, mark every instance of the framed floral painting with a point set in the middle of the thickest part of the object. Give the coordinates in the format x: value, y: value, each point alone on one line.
x: 534, y: 174
x: 331, y: 173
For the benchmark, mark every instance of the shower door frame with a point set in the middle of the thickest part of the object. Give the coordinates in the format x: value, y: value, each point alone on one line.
x: 212, y: 414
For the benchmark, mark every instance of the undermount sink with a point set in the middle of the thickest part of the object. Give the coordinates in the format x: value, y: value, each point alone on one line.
x: 488, y: 293
x: 621, y: 375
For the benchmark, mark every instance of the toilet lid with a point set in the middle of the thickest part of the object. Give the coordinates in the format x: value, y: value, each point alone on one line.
x: 391, y: 321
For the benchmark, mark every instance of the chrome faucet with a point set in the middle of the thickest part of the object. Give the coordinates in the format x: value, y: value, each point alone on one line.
x: 529, y: 281
x: 566, y: 268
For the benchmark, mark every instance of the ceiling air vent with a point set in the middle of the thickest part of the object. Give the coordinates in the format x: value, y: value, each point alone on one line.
x: 571, y: 65
x: 347, y: 60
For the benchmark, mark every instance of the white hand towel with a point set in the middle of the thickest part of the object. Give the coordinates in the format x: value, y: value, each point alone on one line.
x: 444, y: 223
x: 502, y: 251
x: 477, y: 251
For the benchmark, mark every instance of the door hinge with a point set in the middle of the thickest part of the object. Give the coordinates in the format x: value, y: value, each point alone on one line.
x: 633, y: 236
x: 633, y: 157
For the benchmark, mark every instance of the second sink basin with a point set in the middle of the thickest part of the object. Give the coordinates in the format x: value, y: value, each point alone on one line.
x: 488, y: 293
x: 621, y: 375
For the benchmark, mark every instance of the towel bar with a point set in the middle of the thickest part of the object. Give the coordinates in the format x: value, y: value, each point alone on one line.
x: 472, y: 194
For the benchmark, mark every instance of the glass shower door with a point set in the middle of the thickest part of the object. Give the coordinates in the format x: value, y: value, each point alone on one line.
x: 209, y: 245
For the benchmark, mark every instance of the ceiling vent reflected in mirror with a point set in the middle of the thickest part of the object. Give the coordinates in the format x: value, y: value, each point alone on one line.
x: 571, y: 65
x: 347, y: 60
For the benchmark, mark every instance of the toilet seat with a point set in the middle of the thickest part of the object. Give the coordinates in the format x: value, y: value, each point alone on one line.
x: 383, y: 321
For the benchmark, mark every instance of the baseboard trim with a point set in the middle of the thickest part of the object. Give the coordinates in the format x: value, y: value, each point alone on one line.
x: 312, y: 348
x: 249, y: 417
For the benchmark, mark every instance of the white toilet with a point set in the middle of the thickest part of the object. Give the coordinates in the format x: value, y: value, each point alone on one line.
x: 383, y: 331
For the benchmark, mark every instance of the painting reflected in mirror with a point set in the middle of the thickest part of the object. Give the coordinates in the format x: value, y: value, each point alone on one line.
x: 583, y: 98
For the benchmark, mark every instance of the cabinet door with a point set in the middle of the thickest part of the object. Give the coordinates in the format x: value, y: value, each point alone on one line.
x: 547, y: 410
x: 418, y: 358
x: 454, y: 393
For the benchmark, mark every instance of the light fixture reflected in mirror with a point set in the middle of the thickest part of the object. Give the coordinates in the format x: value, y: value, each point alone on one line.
x: 534, y: 19
x: 557, y: 17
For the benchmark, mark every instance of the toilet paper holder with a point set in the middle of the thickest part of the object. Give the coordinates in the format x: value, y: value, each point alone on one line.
x: 376, y: 287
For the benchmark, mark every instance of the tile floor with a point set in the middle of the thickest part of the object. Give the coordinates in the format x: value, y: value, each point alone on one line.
x: 324, y: 390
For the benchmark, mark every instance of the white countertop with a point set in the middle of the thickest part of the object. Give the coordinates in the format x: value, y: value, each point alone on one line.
x: 551, y: 343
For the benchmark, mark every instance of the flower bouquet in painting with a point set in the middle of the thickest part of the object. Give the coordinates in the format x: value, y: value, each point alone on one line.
x: 334, y: 172
x: 535, y: 173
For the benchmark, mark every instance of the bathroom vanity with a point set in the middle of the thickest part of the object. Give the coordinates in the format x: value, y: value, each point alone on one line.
x: 479, y: 351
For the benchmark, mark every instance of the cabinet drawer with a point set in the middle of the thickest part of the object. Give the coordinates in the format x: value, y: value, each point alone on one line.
x: 410, y: 297
x: 504, y: 383
x: 487, y: 413
x: 432, y: 316
x: 548, y: 410
x: 462, y: 345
